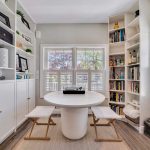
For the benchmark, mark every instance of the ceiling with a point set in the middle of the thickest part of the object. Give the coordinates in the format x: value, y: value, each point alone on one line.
x: 74, y: 11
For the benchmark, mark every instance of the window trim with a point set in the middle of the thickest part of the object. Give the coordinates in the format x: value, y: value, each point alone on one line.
x: 74, y: 58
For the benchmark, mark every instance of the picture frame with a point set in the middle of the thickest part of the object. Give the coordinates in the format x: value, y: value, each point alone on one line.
x: 18, y: 68
x: 23, y: 64
x: 5, y: 20
x: 26, y: 23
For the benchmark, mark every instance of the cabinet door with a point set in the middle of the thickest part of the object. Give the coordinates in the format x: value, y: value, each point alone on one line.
x: 22, y: 103
x: 31, y: 94
x: 7, y: 108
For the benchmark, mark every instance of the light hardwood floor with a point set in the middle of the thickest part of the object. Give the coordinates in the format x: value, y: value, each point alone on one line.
x: 59, y: 142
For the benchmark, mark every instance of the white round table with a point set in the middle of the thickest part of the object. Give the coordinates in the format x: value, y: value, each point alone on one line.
x: 74, y: 111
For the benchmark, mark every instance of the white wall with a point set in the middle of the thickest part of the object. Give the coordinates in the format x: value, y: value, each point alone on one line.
x: 68, y: 34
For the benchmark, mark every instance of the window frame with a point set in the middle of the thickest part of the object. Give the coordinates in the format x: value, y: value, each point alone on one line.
x: 74, y: 64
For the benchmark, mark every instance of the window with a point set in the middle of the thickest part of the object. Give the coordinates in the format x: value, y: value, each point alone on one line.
x: 62, y: 67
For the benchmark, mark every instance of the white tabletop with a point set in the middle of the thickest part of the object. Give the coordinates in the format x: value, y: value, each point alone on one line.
x: 88, y: 99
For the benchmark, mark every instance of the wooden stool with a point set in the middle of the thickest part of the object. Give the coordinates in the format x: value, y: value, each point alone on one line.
x: 108, y: 114
x: 34, y: 115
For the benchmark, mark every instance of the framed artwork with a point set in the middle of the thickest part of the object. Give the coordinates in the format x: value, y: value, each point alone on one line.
x: 26, y: 23
x: 4, y: 19
x: 18, y: 68
x: 23, y: 64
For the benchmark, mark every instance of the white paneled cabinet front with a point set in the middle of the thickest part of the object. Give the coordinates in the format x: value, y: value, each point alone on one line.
x: 7, y: 109
x: 22, y: 102
x: 31, y: 94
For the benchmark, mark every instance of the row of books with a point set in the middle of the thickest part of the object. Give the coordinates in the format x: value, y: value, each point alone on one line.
x: 117, y: 73
x: 116, y: 108
x: 134, y: 87
x: 116, y: 61
x: 117, y: 36
x: 117, y: 97
x: 134, y: 73
x: 116, y: 85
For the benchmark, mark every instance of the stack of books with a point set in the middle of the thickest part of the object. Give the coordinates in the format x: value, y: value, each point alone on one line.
x: 134, y: 73
x: 117, y: 97
x: 117, y: 36
x: 117, y: 109
x: 117, y: 85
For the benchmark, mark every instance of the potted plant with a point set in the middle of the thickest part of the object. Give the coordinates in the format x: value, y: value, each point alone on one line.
x: 28, y: 50
x: 20, y: 14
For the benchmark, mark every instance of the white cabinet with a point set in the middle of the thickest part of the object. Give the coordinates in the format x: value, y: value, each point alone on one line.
x: 21, y: 100
x: 25, y: 97
x: 7, y: 108
x: 31, y: 94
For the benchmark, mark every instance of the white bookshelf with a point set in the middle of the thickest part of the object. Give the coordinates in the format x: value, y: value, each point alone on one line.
x: 116, y: 51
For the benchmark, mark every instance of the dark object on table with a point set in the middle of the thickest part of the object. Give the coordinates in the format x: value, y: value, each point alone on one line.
x: 2, y: 78
x: 74, y: 90
x: 147, y: 127
x: 26, y: 23
x: 4, y: 19
x: 137, y: 13
x: 6, y: 36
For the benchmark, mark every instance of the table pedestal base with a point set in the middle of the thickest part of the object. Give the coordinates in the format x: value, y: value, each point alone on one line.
x: 74, y: 122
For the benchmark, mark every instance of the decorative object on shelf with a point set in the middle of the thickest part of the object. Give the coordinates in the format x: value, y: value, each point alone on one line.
x: 137, y: 13
x: 133, y: 57
x: 28, y: 50
x: 18, y: 32
x: 28, y: 39
x: 116, y: 25
x: 1, y: 75
x: 18, y: 68
x: 18, y: 76
x: 4, y: 57
x: 18, y: 44
x: 4, y: 19
x: 6, y: 36
x: 23, y: 64
x: 19, y: 13
x: 25, y: 22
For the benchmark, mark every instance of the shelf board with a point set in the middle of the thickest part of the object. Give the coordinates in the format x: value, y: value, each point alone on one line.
x: 5, y: 44
x: 138, y: 106
x: 135, y: 46
x: 21, y: 27
x: 133, y: 93
x: 133, y: 23
x: 137, y: 64
x: 5, y: 68
x: 121, y: 43
x: 119, y: 91
x: 134, y: 38
x: 114, y: 54
x: 116, y: 79
x: 118, y: 103
x: 7, y: 28
x: 116, y: 66
x: 30, y: 73
x: 113, y: 30
x: 130, y: 80
x: 24, y: 52
x: 6, y: 10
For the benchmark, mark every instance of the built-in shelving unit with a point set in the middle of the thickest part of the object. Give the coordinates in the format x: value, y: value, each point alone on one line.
x: 117, y: 64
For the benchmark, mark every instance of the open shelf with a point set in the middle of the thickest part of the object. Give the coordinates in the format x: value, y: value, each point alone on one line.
x: 131, y: 103
x: 113, y: 30
x: 134, y: 46
x: 5, y: 44
x: 6, y: 10
x: 24, y: 52
x: 119, y: 91
x: 117, y: 103
x: 116, y: 79
x: 114, y: 54
x: 117, y: 44
x: 5, y: 68
x: 23, y: 41
x: 134, y: 23
x: 133, y: 93
x: 130, y: 65
x: 6, y: 28
x: 134, y: 38
x: 116, y: 66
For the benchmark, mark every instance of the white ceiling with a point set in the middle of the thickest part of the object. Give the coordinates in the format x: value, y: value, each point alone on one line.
x: 74, y: 11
